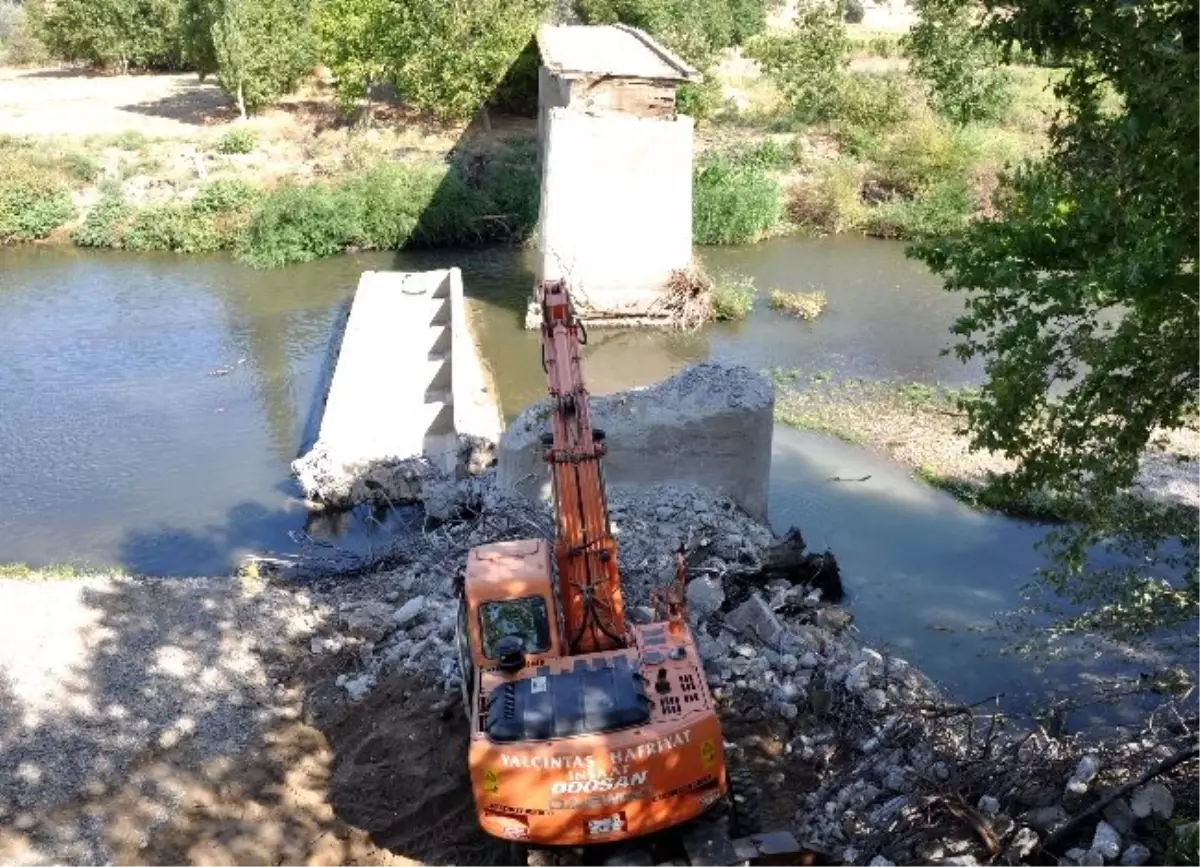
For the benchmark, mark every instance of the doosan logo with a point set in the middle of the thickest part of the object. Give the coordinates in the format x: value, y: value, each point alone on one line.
x: 606, y: 784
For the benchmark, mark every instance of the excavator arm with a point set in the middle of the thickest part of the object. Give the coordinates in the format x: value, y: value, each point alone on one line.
x: 589, y: 583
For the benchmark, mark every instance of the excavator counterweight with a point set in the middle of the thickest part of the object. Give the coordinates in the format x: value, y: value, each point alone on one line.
x: 584, y: 730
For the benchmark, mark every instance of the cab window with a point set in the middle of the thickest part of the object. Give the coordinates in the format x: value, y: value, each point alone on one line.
x: 525, y: 617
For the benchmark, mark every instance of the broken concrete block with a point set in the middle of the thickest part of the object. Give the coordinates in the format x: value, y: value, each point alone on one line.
x: 709, y: 425
x: 754, y: 617
x: 705, y: 596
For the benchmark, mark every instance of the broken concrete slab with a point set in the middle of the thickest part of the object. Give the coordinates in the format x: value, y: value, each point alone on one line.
x: 755, y: 618
x: 408, y: 398
x: 710, y: 425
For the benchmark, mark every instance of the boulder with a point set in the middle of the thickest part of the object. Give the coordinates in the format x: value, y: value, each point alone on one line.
x: 369, y: 621
x: 409, y: 611
x: 1106, y: 841
x: 705, y: 596
x: 754, y: 617
x: 1153, y: 799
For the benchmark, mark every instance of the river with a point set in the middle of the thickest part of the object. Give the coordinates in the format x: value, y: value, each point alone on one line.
x: 151, y: 405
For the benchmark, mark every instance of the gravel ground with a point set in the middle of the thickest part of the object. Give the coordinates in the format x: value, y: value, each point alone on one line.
x: 122, y: 699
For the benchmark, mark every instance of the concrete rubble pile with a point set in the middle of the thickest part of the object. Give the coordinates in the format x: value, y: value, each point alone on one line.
x: 891, y: 757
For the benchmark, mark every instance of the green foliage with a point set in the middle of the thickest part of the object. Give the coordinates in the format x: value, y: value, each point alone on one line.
x: 697, y: 29
x: 832, y: 201
x: 866, y: 104
x: 734, y: 199
x: 449, y: 59
x: 1081, y: 299
x: 104, y: 225
x: 35, y: 196
x: 33, y: 204
x: 226, y: 195
x: 352, y: 40
x: 262, y: 48
x: 961, y: 65
x: 808, y: 64
x: 237, y: 141
x: 81, y: 167
x: 701, y: 99
x: 392, y: 205
x: 196, y: 34
x: 171, y: 227
x: 212, y: 221
x: 130, y: 140
x: 120, y: 34
x: 19, y: 44
x: 733, y: 297
x: 854, y: 12
x: 940, y: 210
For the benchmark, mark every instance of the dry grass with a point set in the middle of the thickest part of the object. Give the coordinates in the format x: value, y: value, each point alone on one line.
x: 688, y: 300
x: 802, y: 305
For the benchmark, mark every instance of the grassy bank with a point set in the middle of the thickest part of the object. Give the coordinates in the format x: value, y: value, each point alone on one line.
x: 301, y: 181
x: 132, y: 200
x: 879, y: 161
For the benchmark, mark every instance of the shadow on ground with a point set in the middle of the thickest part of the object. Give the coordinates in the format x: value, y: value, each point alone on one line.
x: 164, y: 722
x: 200, y: 103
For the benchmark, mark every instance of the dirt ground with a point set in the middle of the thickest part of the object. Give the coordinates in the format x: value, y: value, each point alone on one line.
x: 73, y: 102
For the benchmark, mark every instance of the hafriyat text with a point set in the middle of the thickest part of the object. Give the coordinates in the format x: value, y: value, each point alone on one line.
x: 594, y: 763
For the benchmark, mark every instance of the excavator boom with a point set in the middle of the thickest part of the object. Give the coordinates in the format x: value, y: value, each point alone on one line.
x: 585, y: 550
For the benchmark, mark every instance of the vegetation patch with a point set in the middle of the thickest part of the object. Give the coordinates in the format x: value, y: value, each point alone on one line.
x: 391, y: 205
x: 733, y: 297
x: 802, y: 305
x: 238, y: 141
x: 734, y: 199
x: 35, y: 191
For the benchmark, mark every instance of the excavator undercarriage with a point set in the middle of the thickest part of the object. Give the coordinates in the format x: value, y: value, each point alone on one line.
x: 585, y: 731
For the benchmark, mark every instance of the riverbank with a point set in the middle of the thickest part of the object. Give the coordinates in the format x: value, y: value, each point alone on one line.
x: 920, y: 426
x: 253, y: 719
x: 159, y: 163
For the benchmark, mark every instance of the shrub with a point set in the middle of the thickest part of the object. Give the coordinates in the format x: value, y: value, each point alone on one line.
x: 391, y: 205
x: 224, y: 195
x: 943, y: 209
x: 802, y: 305
x: 81, y: 167
x: 920, y: 154
x: 832, y: 201
x: 32, y: 208
x: 868, y: 104
x: 733, y: 202
x: 262, y: 49
x: 237, y: 141
x: 120, y: 34
x: 130, y: 140
x: 854, y: 12
x: 297, y: 224
x: 104, y: 225
x: 19, y: 45
x: 733, y: 297
x: 173, y: 227
x: 807, y: 64
x: 962, y: 67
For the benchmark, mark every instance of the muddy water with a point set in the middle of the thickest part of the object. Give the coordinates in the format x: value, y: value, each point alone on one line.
x: 151, y: 406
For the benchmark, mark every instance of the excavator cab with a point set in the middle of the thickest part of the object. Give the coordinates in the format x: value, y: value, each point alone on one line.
x: 583, y: 729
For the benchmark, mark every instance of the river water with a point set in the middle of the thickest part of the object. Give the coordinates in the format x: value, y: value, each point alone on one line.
x: 150, y: 406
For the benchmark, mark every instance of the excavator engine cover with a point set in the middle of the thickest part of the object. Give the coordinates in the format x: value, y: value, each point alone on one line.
x: 584, y: 701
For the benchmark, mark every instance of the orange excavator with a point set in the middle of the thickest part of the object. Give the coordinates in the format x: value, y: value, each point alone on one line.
x: 584, y: 730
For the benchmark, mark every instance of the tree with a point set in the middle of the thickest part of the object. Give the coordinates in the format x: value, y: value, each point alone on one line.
x: 447, y: 57
x: 808, y: 63
x: 960, y: 63
x: 111, y: 33
x: 1082, y: 296
x: 353, y: 43
x: 262, y: 49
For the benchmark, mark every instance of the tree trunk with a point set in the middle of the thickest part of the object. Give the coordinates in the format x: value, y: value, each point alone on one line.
x: 241, y: 102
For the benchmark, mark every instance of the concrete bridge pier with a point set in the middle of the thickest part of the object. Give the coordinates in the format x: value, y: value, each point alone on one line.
x: 616, y: 167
